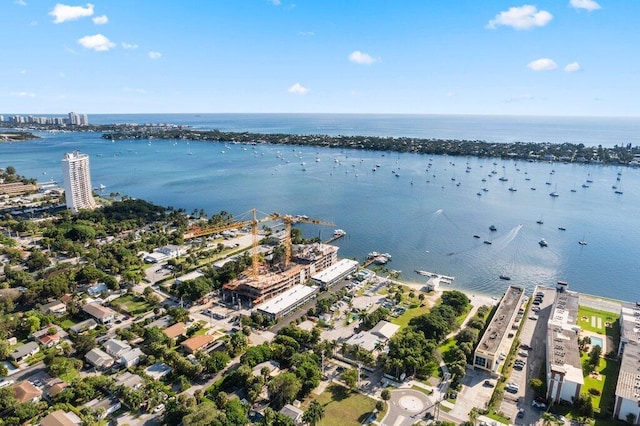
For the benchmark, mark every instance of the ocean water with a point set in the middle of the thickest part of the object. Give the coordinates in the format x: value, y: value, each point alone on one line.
x: 423, y: 210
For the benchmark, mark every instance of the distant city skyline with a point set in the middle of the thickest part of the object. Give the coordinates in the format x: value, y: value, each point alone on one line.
x: 558, y: 58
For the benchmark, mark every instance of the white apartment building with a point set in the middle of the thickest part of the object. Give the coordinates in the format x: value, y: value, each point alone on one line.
x: 77, y: 182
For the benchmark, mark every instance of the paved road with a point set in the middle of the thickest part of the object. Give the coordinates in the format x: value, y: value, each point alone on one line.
x: 406, y: 407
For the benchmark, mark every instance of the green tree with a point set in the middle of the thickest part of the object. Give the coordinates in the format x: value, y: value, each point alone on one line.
x: 386, y: 394
x: 206, y: 414
x: 283, y: 389
x: 37, y: 261
x: 350, y: 377
x: 314, y: 413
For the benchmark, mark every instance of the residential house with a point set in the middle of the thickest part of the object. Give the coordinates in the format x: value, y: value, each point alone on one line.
x: 129, y: 380
x: 26, y: 392
x: 108, y: 405
x: 197, y: 343
x: 61, y: 418
x: 97, y: 289
x: 56, y: 388
x: 131, y: 357
x: 83, y: 326
x: 100, y: 313
x: 56, y: 308
x: 99, y: 358
x: 20, y: 353
x: 176, y: 330
x: 50, y: 335
x: 158, y: 370
x: 115, y: 347
x: 293, y: 412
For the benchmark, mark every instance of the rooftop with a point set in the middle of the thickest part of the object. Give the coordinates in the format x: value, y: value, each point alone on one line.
x: 562, y: 337
x: 197, y: 342
x: 177, y: 329
x: 628, y: 385
x: 286, y: 299
x: 331, y: 273
x: 499, y: 325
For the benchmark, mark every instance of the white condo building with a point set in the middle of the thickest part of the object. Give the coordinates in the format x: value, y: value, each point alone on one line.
x: 77, y: 182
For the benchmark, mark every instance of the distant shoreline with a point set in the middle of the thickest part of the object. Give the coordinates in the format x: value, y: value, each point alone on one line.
x: 626, y: 155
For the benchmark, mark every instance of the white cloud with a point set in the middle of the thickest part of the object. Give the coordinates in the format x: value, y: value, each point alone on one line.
x: 307, y: 33
x: 134, y: 90
x: 589, y: 5
x: 521, y: 18
x: 128, y: 45
x: 64, y: 13
x: 24, y: 94
x: 33, y: 23
x: 20, y: 2
x: 276, y: 2
x: 155, y: 55
x: 572, y: 67
x: 451, y: 94
x: 23, y: 71
x: 542, y: 64
x: 298, y: 89
x: 97, y: 42
x: 100, y: 20
x: 359, y: 57
x: 61, y: 75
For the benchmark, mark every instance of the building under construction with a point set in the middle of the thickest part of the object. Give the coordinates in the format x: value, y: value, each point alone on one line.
x: 306, y: 260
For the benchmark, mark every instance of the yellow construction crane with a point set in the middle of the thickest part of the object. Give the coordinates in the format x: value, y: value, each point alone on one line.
x: 288, y: 220
x: 196, y: 232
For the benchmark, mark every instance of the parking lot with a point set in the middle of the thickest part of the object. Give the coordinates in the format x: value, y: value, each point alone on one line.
x: 530, y: 357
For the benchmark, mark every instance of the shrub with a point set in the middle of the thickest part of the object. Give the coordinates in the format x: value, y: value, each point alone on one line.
x: 594, y: 391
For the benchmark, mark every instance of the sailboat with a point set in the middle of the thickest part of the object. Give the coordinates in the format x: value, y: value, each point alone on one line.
x: 539, y: 221
x: 618, y: 190
x: 555, y: 192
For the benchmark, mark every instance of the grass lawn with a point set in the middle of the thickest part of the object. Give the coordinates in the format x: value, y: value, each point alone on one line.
x: 584, y: 320
x: 67, y: 323
x: 445, y: 348
x: 343, y: 407
x: 133, y: 305
x: 605, y: 382
x: 497, y: 417
x: 403, y: 320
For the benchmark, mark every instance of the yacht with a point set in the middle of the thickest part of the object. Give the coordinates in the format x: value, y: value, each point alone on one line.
x: 582, y: 242
x: 562, y: 228
x: 423, y: 273
x: 476, y: 236
x: 339, y: 233
x: 493, y: 228
x: 487, y: 242
x: 543, y: 243
x: 505, y: 277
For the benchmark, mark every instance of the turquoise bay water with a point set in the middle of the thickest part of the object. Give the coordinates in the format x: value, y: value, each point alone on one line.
x: 426, y: 222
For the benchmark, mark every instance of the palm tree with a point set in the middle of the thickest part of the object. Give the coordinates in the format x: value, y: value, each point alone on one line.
x: 314, y: 413
x: 548, y: 419
x: 473, y: 415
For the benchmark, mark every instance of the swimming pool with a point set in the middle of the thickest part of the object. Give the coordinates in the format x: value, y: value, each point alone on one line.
x: 596, y: 341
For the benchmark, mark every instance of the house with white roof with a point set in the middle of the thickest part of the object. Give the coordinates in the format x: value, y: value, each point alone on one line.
x: 115, y: 347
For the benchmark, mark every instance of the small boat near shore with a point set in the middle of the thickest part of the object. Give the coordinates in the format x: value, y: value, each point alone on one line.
x: 487, y: 242
x: 543, y: 243
x: 505, y: 277
x: 493, y: 228
x: 423, y: 273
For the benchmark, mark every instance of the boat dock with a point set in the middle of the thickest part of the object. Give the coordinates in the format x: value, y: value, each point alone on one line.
x: 435, y: 280
x: 337, y: 234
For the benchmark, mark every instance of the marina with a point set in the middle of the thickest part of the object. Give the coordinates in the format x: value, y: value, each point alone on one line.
x: 432, y: 220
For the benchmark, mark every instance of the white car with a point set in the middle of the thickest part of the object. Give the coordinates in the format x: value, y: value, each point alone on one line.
x: 158, y: 408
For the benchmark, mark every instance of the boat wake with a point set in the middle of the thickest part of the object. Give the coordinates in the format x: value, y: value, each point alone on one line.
x: 503, y: 242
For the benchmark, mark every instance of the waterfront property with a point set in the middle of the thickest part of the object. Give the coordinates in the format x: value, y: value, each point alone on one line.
x: 77, y: 182
x: 495, y: 342
x: 307, y: 261
x: 563, y: 369
x: 287, y: 301
x: 335, y: 273
x: 627, y: 401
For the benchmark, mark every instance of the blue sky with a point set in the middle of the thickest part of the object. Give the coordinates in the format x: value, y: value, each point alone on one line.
x: 561, y: 57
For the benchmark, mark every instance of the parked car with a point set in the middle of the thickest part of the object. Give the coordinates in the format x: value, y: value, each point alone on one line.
x: 537, y: 404
x: 520, y: 413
